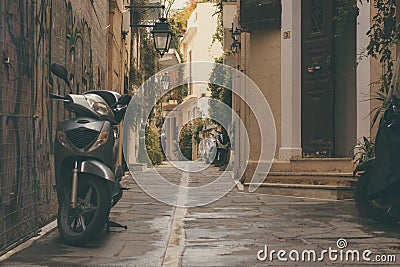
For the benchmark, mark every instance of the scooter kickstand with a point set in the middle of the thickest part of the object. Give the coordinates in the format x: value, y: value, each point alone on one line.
x: 114, y: 224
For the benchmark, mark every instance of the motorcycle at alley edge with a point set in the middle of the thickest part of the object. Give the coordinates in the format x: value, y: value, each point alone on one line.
x: 85, y: 156
x: 377, y: 192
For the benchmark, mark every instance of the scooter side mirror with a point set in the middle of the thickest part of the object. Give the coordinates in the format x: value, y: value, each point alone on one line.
x: 60, y: 71
x: 119, y: 114
x: 124, y: 100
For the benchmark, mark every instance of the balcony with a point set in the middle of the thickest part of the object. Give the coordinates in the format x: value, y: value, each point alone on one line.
x: 259, y: 14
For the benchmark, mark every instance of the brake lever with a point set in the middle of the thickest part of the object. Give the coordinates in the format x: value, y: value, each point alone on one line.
x: 118, y: 109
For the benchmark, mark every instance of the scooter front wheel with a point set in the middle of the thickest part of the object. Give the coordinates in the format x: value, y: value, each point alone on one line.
x: 378, y: 209
x: 79, y: 225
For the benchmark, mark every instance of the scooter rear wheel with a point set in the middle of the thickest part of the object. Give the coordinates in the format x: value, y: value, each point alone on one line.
x: 378, y: 209
x: 79, y: 226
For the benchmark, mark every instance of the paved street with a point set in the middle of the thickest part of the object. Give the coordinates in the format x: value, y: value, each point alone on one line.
x: 229, y: 232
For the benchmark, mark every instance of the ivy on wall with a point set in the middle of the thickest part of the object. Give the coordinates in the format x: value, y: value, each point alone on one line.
x: 218, y: 92
x: 219, y: 32
x: 147, y: 66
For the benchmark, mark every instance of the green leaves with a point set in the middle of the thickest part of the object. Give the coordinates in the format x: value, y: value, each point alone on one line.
x: 364, y: 150
x: 384, y: 35
x: 345, y: 10
x: 221, y: 93
x: 153, y: 145
x: 219, y: 32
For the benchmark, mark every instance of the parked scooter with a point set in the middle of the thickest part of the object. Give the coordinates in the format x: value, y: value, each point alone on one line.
x: 223, y: 144
x: 377, y: 191
x: 210, y: 150
x: 85, y: 156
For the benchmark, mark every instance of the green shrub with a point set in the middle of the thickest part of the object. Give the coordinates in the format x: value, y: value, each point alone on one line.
x: 153, y: 145
x: 364, y: 150
x: 185, y: 141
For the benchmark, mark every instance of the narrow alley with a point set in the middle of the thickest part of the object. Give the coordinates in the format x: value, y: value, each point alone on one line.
x: 229, y: 232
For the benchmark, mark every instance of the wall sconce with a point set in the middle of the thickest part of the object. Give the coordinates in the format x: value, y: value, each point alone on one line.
x: 124, y: 34
x: 162, y: 36
x: 161, y: 31
x: 235, y: 34
x: 235, y: 47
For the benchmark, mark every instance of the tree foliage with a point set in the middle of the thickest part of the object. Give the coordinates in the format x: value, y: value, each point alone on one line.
x: 345, y: 10
x: 147, y: 67
x: 182, y: 90
x: 178, y: 20
x: 153, y: 146
x: 186, y: 141
x: 220, y: 75
x: 190, y: 134
x: 219, y: 32
x: 384, y: 35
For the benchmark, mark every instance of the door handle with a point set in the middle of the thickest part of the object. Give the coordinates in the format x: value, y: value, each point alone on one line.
x: 315, y: 67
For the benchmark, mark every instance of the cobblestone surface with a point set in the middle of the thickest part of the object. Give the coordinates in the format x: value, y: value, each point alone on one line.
x: 228, y: 232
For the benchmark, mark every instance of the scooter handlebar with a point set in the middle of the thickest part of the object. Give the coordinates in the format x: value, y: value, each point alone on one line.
x: 59, y: 97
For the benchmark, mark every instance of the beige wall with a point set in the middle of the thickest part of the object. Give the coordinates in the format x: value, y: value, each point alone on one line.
x: 118, y: 48
x: 198, y: 40
x: 260, y: 59
x: 264, y: 68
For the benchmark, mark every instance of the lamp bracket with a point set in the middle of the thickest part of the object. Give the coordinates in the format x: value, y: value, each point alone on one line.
x: 150, y: 7
x: 142, y: 25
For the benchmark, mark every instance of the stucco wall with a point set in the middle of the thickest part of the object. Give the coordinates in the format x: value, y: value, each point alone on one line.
x: 264, y: 68
x: 118, y: 48
x: 204, y: 25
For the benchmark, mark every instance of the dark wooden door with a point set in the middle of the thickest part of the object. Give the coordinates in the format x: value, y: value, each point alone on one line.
x: 317, y: 79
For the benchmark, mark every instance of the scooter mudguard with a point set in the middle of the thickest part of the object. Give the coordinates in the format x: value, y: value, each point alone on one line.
x: 366, y: 165
x: 95, y: 167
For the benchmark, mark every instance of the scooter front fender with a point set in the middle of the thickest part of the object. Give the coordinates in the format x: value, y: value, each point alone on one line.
x: 366, y: 165
x: 95, y: 167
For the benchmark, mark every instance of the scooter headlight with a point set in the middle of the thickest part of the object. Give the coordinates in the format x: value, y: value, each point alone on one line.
x: 98, y: 107
x: 62, y: 139
x: 103, y: 137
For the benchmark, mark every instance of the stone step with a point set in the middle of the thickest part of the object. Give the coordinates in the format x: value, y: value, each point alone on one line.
x: 323, y: 178
x: 336, y: 179
x: 137, y: 167
x: 319, y: 165
x: 307, y: 178
x: 303, y: 190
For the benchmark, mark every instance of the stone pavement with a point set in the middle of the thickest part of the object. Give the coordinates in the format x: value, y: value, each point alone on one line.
x: 228, y: 232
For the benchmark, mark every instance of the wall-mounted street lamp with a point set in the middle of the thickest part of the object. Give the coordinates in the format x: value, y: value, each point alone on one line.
x: 162, y: 36
x: 235, y: 47
x: 165, y: 80
x: 162, y: 33
x: 235, y: 34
